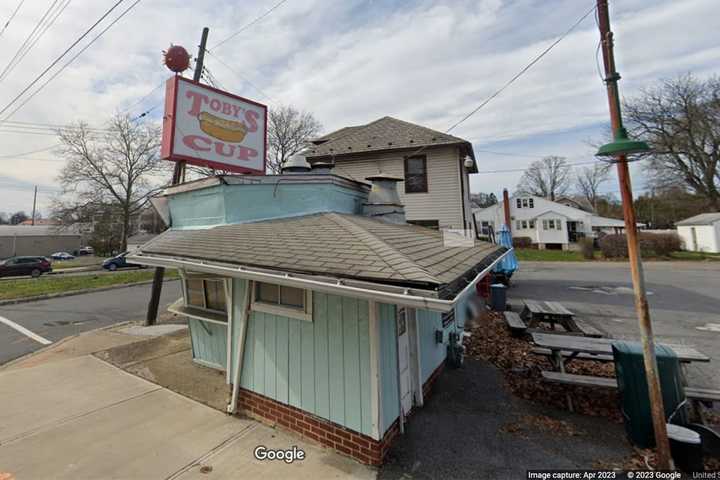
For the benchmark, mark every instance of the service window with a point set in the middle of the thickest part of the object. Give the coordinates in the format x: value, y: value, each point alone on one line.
x: 281, y: 300
x: 208, y: 294
x: 416, y: 174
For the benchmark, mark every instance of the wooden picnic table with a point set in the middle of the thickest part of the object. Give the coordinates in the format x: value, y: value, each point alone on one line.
x: 603, y: 346
x: 554, y: 313
x: 567, y: 348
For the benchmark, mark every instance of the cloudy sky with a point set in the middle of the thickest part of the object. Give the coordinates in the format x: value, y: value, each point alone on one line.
x: 352, y: 61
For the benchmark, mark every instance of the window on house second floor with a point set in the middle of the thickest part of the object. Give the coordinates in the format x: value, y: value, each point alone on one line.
x: 416, y: 180
x: 525, y: 202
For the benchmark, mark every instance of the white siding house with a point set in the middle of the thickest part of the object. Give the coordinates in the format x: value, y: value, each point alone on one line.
x: 700, y: 233
x: 548, y: 224
x: 436, y: 190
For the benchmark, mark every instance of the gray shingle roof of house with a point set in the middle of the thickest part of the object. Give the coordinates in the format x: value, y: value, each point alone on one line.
x: 333, y: 244
x: 702, y: 219
x: 386, y: 133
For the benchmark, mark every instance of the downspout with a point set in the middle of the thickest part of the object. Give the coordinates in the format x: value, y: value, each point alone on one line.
x: 244, y: 317
x: 462, y: 189
x: 401, y: 415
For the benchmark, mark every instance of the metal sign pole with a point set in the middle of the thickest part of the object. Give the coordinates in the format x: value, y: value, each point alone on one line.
x: 177, y: 178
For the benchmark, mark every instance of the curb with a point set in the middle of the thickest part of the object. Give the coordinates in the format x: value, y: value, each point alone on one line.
x: 75, y: 292
x: 53, y: 345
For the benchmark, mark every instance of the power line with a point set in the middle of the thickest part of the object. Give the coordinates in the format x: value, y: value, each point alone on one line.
x: 22, y: 52
x: 7, y: 24
x: 45, y: 149
x: 222, y: 62
x: 57, y: 60
x: 247, y: 25
x: 523, y: 71
x: 512, y: 170
x: 102, y: 32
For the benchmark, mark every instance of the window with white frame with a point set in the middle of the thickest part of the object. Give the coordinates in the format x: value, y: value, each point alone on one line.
x: 531, y: 224
x: 518, y: 225
x: 552, y: 224
x: 281, y: 300
x: 518, y: 202
x: 525, y: 202
x: 205, y: 293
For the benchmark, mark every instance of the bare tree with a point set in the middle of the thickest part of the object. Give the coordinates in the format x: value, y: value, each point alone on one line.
x: 589, y: 180
x: 680, y: 119
x: 549, y: 178
x: 288, y: 132
x: 114, y: 169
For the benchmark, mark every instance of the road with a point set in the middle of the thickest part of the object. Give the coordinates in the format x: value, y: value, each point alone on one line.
x: 684, y: 300
x: 54, y: 319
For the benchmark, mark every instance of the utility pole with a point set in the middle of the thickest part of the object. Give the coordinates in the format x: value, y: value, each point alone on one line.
x: 638, y: 279
x: 178, y: 177
x: 32, y: 222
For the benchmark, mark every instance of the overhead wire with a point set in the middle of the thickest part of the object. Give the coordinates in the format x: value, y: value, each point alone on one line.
x: 22, y: 54
x: 59, y: 58
x: 58, y: 72
x: 7, y: 24
x: 247, y: 25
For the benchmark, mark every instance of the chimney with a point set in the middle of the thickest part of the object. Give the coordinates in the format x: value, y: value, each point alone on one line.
x: 506, y: 207
x: 383, y: 201
x: 295, y: 164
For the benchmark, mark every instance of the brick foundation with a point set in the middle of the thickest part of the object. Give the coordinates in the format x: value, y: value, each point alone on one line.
x: 353, y: 444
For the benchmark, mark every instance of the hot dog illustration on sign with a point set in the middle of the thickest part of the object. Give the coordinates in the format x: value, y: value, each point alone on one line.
x: 216, y: 129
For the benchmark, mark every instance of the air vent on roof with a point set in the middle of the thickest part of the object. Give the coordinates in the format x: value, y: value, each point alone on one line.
x: 322, y: 168
x: 383, y: 201
x: 296, y: 164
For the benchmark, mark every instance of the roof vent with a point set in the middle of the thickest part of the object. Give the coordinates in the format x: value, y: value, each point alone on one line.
x: 383, y: 201
x: 322, y: 168
x: 296, y: 164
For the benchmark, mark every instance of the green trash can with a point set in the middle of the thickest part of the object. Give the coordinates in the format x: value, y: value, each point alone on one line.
x: 634, y: 396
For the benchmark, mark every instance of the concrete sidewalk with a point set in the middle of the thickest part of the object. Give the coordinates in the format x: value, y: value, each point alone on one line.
x: 82, y: 418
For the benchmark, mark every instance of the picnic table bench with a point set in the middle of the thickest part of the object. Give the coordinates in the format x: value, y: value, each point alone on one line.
x: 566, y: 348
x: 515, y: 323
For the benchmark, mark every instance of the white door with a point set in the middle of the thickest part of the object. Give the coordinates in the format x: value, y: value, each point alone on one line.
x: 404, y: 361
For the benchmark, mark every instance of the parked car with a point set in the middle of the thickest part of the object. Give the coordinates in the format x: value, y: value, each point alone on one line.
x: 16, y: 266
x: 62, y: 256
x: 119, y: 261
x: 86, y: 251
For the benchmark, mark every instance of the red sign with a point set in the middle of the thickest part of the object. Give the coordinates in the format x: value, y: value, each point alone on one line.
x: 208, y: 127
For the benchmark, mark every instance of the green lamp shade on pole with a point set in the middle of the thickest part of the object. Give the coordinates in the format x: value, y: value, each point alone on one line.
x: 622, y: 145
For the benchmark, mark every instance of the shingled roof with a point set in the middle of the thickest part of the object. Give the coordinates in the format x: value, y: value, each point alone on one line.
x: 331, y: 244
x: 386, y: 133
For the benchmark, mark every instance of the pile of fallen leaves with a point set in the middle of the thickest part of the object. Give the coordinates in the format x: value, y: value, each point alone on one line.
x: 543, y: 423
x: 490, y: 340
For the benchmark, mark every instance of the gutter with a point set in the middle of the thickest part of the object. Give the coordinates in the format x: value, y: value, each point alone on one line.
x: 336, y: 286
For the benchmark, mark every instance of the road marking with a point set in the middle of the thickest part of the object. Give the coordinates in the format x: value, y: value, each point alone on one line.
x: 25, y: 331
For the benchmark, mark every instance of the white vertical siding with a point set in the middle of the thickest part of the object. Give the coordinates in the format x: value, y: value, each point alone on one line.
x: 442, y: 202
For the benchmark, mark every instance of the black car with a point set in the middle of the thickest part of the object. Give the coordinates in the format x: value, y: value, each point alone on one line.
x: 114, y: 263
x: 16, y: 266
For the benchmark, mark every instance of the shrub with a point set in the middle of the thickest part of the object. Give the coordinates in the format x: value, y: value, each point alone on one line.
x: 522, y: 242
x: 663, y: 244
x: 651, y: 245
x: 587, y: 248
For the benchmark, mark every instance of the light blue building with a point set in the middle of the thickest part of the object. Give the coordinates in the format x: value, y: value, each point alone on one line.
x: 328, y: 314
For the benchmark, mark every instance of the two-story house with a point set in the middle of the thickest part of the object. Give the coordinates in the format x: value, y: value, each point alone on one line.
x: 548, y: 224
x: 436, y: 167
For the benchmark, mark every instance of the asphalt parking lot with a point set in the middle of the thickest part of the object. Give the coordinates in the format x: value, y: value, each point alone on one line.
x: 684, y: 300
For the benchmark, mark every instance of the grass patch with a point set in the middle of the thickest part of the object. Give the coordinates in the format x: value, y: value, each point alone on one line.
x: 533, y: 255
x: 84, y: 261
x: 695, y: 256
x: 32, y: 287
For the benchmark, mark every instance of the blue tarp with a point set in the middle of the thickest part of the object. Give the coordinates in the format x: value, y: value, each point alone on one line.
x: 509, y: 263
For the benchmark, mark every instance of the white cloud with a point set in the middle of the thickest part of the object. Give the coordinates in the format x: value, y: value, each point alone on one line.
x: 351, y: 62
